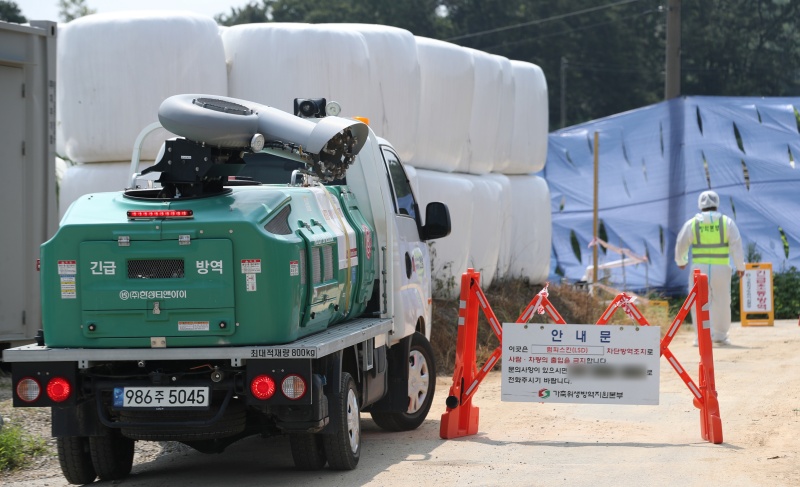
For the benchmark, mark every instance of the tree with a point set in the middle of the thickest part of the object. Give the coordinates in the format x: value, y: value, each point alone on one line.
x: 251, y: 13
x: 9, y: 12
x: 69, y: 10
x: 418, y: 16
x: 740, y: 48
x: 614, y: 50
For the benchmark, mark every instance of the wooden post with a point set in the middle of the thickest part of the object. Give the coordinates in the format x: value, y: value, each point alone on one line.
x: 594, y: 223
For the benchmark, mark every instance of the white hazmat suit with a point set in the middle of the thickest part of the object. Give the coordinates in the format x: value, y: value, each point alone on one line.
x: 719, y: 275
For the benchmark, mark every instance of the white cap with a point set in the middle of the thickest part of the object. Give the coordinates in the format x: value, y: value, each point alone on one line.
x: 708, y: 199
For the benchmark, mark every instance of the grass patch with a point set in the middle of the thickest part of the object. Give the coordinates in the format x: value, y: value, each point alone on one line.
x: 17, y: 447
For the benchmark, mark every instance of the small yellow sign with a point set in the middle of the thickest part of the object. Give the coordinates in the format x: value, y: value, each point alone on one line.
x: 755, y: 291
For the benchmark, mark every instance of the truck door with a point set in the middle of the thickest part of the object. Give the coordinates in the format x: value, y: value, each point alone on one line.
x: 411, y: 258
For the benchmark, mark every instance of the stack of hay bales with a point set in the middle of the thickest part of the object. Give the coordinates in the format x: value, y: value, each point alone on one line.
x: 470, y: 126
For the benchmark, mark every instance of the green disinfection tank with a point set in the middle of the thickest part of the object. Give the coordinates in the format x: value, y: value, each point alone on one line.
x: 246, y: 265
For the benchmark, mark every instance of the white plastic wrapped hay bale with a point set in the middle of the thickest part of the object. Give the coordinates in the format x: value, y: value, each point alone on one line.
x: 531, y: 234
x: 529, y: 144
x: 491, y: 127
x: 115, y: 69
x: 393, y: 95
x: 274, y: 63
x: 449, y: 254
x: 99, y: 177
x: 485, y: 238
x: 504, y: 219
x: 448, y: 80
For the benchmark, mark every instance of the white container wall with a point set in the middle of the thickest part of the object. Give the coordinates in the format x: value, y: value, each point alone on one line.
x: 115, y: 69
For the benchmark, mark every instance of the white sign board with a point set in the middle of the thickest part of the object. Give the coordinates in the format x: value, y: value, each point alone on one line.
x: 585, y: 364
x: 757, y: 290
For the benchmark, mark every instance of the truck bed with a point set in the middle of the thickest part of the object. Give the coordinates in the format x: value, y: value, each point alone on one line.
x: 318, y: 345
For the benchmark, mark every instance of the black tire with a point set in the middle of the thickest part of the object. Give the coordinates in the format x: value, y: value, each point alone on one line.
x: 308, y: 451
x: 230, y: 424
x: 343, y: 447
x: 112, y: 455
x: 421, y: 387
x: 75, y: 459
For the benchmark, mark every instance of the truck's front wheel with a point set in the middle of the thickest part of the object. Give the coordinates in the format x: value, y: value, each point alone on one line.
x: 421, y: 386
x: 75, y: 459
x: 343, y: 447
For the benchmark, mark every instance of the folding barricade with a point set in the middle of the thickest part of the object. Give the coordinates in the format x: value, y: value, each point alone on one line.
x: 461, y: 416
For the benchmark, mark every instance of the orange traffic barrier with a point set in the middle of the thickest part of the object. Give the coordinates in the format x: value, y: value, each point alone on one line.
x: 705, y: 396
x: 461, y: 417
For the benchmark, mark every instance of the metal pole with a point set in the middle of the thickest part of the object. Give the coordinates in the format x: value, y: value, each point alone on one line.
x: 672, y: 78
x: 594, y: 224
x: 563, y: 92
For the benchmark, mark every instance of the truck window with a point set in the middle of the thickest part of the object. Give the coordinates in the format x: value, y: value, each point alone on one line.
x: 404, y: 203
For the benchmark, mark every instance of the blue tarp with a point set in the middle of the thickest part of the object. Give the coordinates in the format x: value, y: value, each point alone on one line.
x: 653, y: 164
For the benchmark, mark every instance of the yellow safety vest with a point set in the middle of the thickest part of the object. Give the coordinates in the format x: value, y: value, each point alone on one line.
x: 710, y: 242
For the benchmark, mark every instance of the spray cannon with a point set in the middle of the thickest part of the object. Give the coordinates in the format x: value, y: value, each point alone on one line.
x: 216, y: 131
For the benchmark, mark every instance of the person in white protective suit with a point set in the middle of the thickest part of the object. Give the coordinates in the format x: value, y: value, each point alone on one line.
x: 714, y: 241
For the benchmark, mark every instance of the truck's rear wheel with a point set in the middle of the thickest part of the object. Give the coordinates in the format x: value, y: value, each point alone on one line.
x: 112, y: 455
x: 343, y: 447
x: 75, y: 459
x: 308, y: 451
x: 421, y: 386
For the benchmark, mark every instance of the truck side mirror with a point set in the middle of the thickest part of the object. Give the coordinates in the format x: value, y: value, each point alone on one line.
x: 437, y: 221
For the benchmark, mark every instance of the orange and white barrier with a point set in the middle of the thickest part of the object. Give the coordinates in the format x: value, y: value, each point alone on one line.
x: 461, y: 417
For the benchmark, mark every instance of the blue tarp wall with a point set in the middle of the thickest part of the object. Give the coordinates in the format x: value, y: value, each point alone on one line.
x: 653, y: 164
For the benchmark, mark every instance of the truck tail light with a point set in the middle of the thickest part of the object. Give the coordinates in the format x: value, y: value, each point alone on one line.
x: 150, y: 214
x: 293, y: 386
x: 262, y: 387
x: 59, y: 389
x: 28, y: 389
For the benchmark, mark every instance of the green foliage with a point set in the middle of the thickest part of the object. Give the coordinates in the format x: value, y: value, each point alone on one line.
x: 9, y: 12
x: 613, y: 53
x: 17, y: 447
x: 70, y: 10
x: 252, y: 13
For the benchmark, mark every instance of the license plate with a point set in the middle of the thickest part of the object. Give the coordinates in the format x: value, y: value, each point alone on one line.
x: 160, y: 397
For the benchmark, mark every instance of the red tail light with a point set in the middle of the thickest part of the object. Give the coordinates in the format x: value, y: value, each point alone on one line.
x: 28, y: 389
x: 293, y: 387
x: 59, y: 389
x: 262, y: 387
x: 147, y: 215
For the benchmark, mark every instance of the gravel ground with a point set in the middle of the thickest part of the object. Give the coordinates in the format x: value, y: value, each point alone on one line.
x: 570, y: 445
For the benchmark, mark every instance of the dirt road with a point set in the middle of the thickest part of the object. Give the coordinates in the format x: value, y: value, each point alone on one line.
x: 531, y: 444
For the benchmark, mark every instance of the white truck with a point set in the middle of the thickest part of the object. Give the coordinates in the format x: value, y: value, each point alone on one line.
x: 209, y: 306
